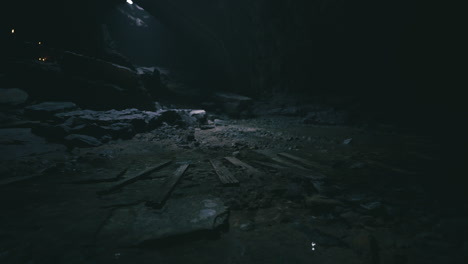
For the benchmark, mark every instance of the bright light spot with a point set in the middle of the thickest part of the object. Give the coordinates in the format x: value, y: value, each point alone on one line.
x: 313, y: 246
x: 40, y: 59
x: 40, y: 43
x: 130, y: 2
x: 13, y: 31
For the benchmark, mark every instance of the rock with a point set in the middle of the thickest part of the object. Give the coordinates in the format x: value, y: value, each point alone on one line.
x: 92, y: 68
x: 12, y: 96
x: 234, y: 104
x: 321, y: 203
x: 48, y: 109
x: 247, y: 226
x: 294, y: 191
x: 76, y: 140
x: 371, y: 206
x: 151, y: 78
x: 327, y: 117
x: 347, y: 141
x: 117, y: 83
x: 200, y: 115
x: 137, y: 225
x: 20, y: 142
x: 53, y: 132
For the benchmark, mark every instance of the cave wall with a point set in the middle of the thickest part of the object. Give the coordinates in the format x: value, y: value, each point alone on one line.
x: 320, y: 46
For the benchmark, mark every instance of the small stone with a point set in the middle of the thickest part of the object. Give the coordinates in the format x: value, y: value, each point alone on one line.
x: 247, y: 226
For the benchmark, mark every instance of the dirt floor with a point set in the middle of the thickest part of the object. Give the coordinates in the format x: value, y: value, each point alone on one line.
x: 309, y: 194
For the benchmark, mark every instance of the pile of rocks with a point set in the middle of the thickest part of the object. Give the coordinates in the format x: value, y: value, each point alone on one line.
x: 65, y: 122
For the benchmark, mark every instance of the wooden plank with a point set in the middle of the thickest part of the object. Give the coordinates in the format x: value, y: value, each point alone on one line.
x: 113, y: 179
x: 167, y: 187
x: 303, y: 162
x: 223, y: 173
x: 269, y: 165
x: 289, y: 164
x: 135, y: 178
x: 250, y: 170
x: 293, y: 167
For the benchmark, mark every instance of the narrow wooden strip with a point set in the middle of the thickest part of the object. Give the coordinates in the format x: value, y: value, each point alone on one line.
x: 250, y: 170
x: 134, y: 178
x: 301, y: 161
x: 113, y: 179
x: 223, y: 173
x: 166, y: 189
x: 270, y: 165
x: 293, y: 167
x: 289, y: 164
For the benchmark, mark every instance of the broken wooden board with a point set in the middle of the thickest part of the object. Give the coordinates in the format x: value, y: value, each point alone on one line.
x: 289, y: 164
x: 269, y: 165
x: 119, y: 176
x: 249, y: 169
x: 135, y: 178
x: 286, y: 166
x: 303, y: 162
x: 167, y: 187
x: 225, y: 176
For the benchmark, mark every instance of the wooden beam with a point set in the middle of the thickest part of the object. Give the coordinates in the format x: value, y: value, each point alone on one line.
x: 225, y: 176
x: 269, y: 165
x: 168, y: 186
x: 135, y: 178
x: 249, y: 169
x: 303, y: 162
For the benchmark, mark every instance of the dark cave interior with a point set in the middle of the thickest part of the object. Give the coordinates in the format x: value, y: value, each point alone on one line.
x: 230, y: 131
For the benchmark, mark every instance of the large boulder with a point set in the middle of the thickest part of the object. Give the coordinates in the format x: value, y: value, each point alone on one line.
x: 13, y: 96
x: 136, y: 225
x: 234, y: 104
x: 108, y: 81
x: 49, y: 109
x: 151, y: 78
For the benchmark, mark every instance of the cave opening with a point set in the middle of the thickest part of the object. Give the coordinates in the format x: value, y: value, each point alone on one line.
x: 229, y: 131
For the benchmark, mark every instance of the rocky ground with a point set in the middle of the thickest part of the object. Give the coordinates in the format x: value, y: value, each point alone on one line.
x: 194, y: 187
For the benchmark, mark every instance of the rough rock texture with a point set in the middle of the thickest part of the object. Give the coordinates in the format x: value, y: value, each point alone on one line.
x: 20, y: 142
x: 261, y: 45
x: 77, y: 140
x: 13, y: 96
x: 48, y: 109
x: 132, y: 226
x: 128, y: 82
x: 95, y: 127
x: 234, y: 104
